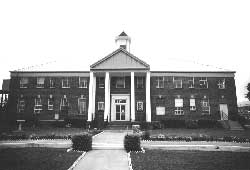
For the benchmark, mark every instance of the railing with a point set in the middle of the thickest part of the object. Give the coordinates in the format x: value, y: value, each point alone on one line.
x: 223, y: 115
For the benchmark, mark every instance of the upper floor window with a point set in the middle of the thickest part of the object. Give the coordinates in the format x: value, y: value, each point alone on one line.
x: 101, y: 82
x: 120, y: 82
x: 177, y: 82
x: 159, y: 82
x: 38, y: 104
x: 40, y: 82
x: 203, y: 82
x: 139, y: 82
x: 50, y: 102
x: 179, y: 107
x: 100, y: 106
x: 64, y: 103
x: 52, y: 83
x: 221, y: 84
x: 83, y: 82
x: 21, y: 104
x: 191, y: 82
x: 24, y: 82
x: 192, y: 105
x: 65, y: 83
x: 160, y: 110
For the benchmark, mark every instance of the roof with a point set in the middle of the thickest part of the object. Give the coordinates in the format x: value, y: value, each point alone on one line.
x: 123, y: 34
x: 119, y: 50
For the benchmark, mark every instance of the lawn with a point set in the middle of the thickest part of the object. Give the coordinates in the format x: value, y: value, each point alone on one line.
x: 190, y: 160
x: 36, y: 158
x: 198, y: 132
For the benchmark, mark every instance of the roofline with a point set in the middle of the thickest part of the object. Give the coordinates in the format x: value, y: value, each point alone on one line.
x: 193, y: 71
x: 116, y: 51
x: 49, y: 71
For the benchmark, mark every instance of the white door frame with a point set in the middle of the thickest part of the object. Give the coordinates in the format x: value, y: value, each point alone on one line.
x: 113, y: 106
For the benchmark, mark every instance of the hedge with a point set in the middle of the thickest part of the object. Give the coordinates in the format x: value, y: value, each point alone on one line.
x: 132, y: 143
x: 82, y: 142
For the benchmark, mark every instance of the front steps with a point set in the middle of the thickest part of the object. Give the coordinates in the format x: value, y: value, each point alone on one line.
x: 119, y: 125
x: 231, y: 125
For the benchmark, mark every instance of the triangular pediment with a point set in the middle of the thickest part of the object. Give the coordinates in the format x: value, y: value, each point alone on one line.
x: 119, y: 59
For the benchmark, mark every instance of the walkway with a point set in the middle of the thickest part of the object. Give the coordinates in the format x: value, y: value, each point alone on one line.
x: 107, y: 153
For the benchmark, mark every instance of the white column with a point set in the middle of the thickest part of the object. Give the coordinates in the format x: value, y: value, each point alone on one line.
x: 107, y: 96
x: 90, y: 96
x: 132, y: 96
x: 93, y: 94
x: 148, y: 102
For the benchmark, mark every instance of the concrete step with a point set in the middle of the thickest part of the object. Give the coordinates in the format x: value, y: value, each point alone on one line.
x: 234, y: 125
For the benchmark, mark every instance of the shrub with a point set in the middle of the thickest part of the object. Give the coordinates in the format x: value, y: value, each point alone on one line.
x: 132, y: 143
x: 77, y: 123
x: 173, y: 123
x: 207, y: 123
x: 82, y: 142
x: 146, y: 135
x: 191, y: 124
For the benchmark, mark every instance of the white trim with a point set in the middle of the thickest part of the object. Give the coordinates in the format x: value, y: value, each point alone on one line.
x: 132, y: 96
x: 148, y: 100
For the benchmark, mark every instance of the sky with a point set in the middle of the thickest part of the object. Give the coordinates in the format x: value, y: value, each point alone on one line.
x: 215, y: 33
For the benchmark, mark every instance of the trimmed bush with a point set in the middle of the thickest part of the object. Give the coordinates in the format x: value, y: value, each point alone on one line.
x: 76, y: 123
x: 82, y: 142
x: 207, y: 123
x: 132, y: 143
x: 173, y: 123
x: 146, y: 135
x: 191, y: 124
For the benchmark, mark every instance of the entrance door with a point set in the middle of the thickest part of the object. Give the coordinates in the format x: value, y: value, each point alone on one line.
x: 120, y: 111
x: 223, y: 111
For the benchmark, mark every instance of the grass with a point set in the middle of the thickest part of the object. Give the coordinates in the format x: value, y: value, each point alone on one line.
x: 198, y: 132
x: 36, y: 158
x: 190, y: 160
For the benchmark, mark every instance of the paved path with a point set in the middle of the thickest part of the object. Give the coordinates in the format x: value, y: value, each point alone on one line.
x: 108, y: 153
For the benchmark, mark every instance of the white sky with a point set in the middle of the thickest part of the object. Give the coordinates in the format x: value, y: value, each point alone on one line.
x: 211, y: 32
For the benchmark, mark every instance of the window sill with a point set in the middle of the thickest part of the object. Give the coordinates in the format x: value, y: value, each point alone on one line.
x: 65, y: 87
x: 82, y: 87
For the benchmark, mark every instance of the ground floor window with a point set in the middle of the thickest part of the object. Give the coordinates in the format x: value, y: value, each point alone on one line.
x: 64, y: 104
x: 205, y: 106
x: 192, y: 105
x: 20, y: 105
x: 160, y: 110
x: 178, y: 107
x: 100, y: 105
x: 139, y: 106
x: 50, y: 103
x: 82, y: 108
x: 38, y: 104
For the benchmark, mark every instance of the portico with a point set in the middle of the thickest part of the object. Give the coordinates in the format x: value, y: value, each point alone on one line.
x: 126, y: 90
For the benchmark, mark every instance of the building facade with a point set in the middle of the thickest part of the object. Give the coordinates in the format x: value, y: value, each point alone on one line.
x: 121, y: 87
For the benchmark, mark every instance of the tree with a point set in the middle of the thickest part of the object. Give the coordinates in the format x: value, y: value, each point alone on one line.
x: 248, y: 93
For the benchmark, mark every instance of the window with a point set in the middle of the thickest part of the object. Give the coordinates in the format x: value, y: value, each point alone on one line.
x: 179, y: 107
x: 160, y: 110
x: 203, y: 82
x: 50, y: 103
x: 40, y: 82
x: 139, y: 82
x: 38, y: 104
x: 65, y: 83
x: 64, y: 103
x: 205, y: 106
x: 120, y: 82
x: 139, y: 106
x: 221, y: 84
x: 51, y: 83
x: 20, y: 105
x: 24, y: 82
x: 82, y: 107
x: 192, y: 105
x: 191, y: 82
x: 100, y: 105
x: 177, y: 82
x: 160, y: 82
x: 101, y: 82
x: 83, y: 82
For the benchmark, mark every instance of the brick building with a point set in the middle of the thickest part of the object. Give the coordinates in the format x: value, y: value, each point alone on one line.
x: 122, y: 87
